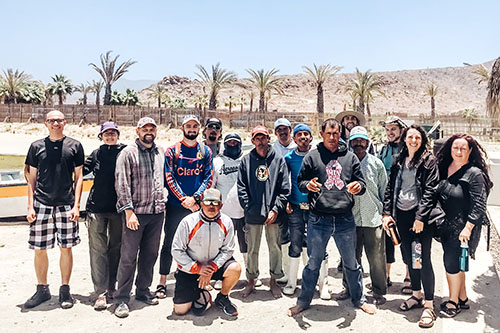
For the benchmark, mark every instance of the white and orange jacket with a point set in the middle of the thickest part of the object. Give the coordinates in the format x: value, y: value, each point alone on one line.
x: 198, y: 242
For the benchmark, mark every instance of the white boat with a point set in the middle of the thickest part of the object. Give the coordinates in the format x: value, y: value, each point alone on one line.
x: 14, y: 193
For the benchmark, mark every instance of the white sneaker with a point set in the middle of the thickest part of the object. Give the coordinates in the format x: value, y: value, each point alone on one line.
x: 122, y: 310
x: 218, y: 285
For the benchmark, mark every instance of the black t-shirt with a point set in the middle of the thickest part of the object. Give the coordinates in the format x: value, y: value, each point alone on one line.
x: 55, y: 162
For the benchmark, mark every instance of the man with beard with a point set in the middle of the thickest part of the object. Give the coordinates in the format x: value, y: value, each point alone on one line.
x: 225, y: 174
x: 139, y: 188
x: 394, y: 127
x: 188, y: 172
x: 282, y: 146
x: 367, y: 212
x: 331, y: 175
x: 263, y: 189
x: 55, y: 181
x: 212, y: 135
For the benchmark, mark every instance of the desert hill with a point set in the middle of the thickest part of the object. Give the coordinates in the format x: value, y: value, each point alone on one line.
x: 405, y: 92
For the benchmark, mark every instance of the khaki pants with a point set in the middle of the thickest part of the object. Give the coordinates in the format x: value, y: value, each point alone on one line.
x: 253, y: 235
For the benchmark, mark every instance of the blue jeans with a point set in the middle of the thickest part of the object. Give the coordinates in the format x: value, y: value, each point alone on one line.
x: 297, y: 226
x: 319, y: 229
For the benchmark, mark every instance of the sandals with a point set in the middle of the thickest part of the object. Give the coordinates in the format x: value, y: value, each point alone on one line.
x: 405, y: 306
x: 202, y: 303
x: 449, y: 312
x: 406, y: 290
x: 161, y: 291
x: 427, y: 318
x: 464, y: 304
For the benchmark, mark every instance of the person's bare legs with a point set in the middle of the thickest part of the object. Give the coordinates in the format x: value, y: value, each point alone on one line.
x: 456, y: 285
x: 463, y: 291
x: 182, y: 309
x: 163, y: 280
x: 294, y: 310
x: 230, y: 278
x: 66, y: 264
x: 275, y: 289
x: 41, y: 266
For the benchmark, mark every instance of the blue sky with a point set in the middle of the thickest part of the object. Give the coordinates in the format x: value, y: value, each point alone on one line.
x: 44, y: 38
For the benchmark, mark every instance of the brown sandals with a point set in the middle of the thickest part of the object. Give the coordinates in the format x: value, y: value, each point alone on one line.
x: 408, y: 304
x: 427, y: 318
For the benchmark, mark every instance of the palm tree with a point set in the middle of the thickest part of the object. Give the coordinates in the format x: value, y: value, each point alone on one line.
x: 96, y: 88
x: 12, y: 83
x: 363, y: 88
x: 432, y: 91
x: 33, y: 93
x: 84, y: 89
x: 493, y: 97
x: 158, y: 92
x: 264, y: 82
x: 130, y: 98
x: 482, y: 72
x: 230, y: 101
x: 242, y: 101
x: 319, y: 75
x: 61, y: 86
x: 215, y: 81
x: 109, y: 74
x: 469, y: 115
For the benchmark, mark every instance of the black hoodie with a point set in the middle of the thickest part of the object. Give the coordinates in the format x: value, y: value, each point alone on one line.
x: 102, y: 162
x: 334, y: 171
x: 262, y: 185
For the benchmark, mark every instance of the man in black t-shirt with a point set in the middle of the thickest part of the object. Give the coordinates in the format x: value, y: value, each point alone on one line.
x: 55, y: 181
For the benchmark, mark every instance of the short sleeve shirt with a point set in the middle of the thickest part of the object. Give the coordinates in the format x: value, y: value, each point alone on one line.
x: 55, y: 162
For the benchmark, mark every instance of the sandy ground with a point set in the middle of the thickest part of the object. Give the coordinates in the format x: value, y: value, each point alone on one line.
x: 259, y: 313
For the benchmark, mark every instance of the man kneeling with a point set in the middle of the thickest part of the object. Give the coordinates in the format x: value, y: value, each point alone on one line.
x: 203, y: 248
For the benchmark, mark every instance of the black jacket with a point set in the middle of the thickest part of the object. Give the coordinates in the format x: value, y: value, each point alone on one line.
x: 334, y: 171
x: 427, y: 181
x: 262, y: 185
x: 102, y: 162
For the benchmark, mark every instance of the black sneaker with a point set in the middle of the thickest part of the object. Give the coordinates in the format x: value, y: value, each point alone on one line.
x: 147, y: 298
x: 42, y: 295
x: 65, y: 299
x: 223, y: 302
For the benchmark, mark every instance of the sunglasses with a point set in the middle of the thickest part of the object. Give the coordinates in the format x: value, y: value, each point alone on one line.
x: 211, y: 202
x: 214, y: 126
x: 52, y: 121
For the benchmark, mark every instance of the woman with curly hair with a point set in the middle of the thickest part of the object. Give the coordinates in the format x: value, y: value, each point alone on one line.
x: 462, y: 192
x: 409, y: 200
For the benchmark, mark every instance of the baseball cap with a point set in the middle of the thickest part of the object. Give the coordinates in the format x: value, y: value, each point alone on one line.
x: 145, y: 121
x: 232, y: 136
x: 301, y: 127
x: 394, y: 120
x: 359, y: 132
x: 190, y: 117
x: 214, y: 122
x: 282, y: 122
x: 109, y: 125
x: 212, y: 194
x: 259, y: 130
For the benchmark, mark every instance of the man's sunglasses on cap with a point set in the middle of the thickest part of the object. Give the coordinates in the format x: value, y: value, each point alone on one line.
x: 211, y: 202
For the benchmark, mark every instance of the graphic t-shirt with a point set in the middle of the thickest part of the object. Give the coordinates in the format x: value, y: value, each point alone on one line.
x: 55, y: 162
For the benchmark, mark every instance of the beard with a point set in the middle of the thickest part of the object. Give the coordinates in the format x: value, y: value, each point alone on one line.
x: 190, y: 135
x: 148, y: 138
x: 212, y: 137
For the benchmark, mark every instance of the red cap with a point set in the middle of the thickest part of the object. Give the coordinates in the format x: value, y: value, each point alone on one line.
x: 259, y: 130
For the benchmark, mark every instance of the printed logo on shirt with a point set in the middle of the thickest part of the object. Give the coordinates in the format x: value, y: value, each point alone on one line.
x: 226, y: 170
x: 333, y: 171
x: 262, y: 173
x: 181, y: 171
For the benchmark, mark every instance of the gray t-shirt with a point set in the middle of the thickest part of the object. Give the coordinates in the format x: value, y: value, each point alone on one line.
x: 408, y: 196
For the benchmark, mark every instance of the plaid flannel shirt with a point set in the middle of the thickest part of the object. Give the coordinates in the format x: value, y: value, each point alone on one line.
x: 139, y: 179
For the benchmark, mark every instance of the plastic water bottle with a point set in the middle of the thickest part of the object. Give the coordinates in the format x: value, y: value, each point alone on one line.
x: 464, y: 257
x: 416, y: 254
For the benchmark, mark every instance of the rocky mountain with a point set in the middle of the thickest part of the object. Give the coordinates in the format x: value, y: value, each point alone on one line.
x: 405, y: 92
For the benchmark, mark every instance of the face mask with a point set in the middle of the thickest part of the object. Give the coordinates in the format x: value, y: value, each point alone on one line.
x: 232, y: 151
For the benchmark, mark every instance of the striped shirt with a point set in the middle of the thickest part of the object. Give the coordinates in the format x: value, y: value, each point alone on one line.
x: 139, y: 179
x: 367, y: 207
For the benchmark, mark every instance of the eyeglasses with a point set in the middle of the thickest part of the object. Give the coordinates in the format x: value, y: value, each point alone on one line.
x: 459, y: 148
x: 211, y: 202
x: 52, y: 121
x: 112, y: 133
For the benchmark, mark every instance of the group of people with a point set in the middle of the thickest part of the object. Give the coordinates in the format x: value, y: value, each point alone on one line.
x: 299, y: 196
